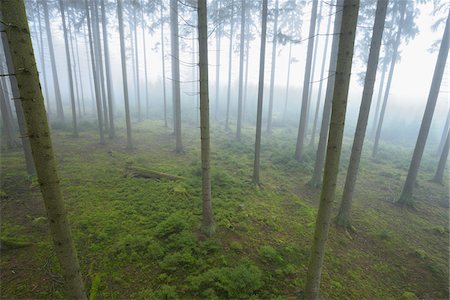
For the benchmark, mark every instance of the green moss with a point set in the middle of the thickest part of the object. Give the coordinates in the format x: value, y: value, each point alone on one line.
x: 408, y: 296
x: 270, y: 255
x: 96, y: 281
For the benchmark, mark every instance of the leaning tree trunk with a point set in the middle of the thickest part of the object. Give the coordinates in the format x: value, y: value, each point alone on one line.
x: 69, y: 69
x: 439, y: 175
x: 208, y: 226
x: 322, y: 79
x: 380, y: 96
x: 304, y: 111
x: 19, y: 40
x: 94, y: 72
x: 262, y: 57
x: 163, y: 59
x: 176, y: 73
x: 344, y: 216
x: 124, y: 73
x: 272, y: 71
x: 391, y: 74
x: 241, y: 72
x: 218, y: 42
x: 230, y: 63
x: 340, y: 96
x: 59, y: 106
x: 109, y: 85
x: 406, y: 196
x: 444, y: 134
x: 321, y: 148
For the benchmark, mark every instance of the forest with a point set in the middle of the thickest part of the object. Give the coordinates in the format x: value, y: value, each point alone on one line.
x: 224, y: 149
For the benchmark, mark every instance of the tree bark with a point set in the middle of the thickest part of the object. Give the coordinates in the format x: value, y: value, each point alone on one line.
x: 8, y: 126
x: 272, y: 71
x: 44, y: 73
x: 344, y: 216
x: 208, y: 226
x: 124, y: 74
x: 306, y: 82
x: 163, y: 58
x: 176, y: 73
x: 380, y: 96
x: 79, y: 73
x: 19, y: 40
x: 262, y: 57
x: 439, y: 175
x: 321, y: 148
x: 218, y: 53
x: 247, y: 56
x: 138, y: 86
x: 230, y: 63
x: 147, y: 103
x: 287, y: 82
x: 444, y: 134
x: 69, y: 70
x: 406, y: 196
x: 241, y: 72
x: 340, y: 96
x: 390, y: 76
x: 74, y: 69
x: 91, y: 88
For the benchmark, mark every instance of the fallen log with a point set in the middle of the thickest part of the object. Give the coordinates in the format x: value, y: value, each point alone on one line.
x: 139, y: 172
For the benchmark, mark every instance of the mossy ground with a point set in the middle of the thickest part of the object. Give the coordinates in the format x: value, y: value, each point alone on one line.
x: 141, y: 238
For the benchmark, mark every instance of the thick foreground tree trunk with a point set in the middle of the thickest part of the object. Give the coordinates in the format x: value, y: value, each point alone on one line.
x: 241, y: 72
x: 344, y: 216
x: 406, y: 196
x: 208, y: 226
x: 340, y: 96
x: 19, y: 40
x: 260, y: 94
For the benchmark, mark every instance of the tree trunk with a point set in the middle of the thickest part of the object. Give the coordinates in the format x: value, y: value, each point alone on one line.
x: 176, y: 73
x: 44, y: 73
x: 287, y: 82
x: 208, y: 226
x: 218, y: 42
x: 391, y: 73
x: 344, y: 216
x: 91, y: 88
x: 109, y: 84
x: 163, y: 58
x: 19, y: 39
x: 241, y: 72
x: 247, y: 56
x: 147, y: 104
x: 79, y: 73
x: 69, y: 70
x: 74, y: 72
x: 59, y: 106
x: 340, y: 96
x: 444, y: 134
x: 406, y: 196
x: 439, y: 175
x: 321, y: 148
x: 272, y: 71
x: 322, y: 79
x: 380, y: 96
x: 8, y: 126
x: 94, y: 72
x: 306, y: 82
x: 138, y: 86
x: 124, y: 73
x: 230, y: 63
x: 262, y: 57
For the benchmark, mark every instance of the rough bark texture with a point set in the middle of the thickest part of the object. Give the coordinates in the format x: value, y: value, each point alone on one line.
x: 344, y: 216
x: 163, y: 59
x: 241, y: 72
x: 272, y: 71
x: 321, y: 148
x: 340, y: 95
x: 230, y: 63
x: 306, y: 82
x: 208, y: 226
x: 391, y: 75
x: 176, y: 73
x: 69, y: 69
x: 439, y: 175
x: 406, y: 196
x: 124, y: 74
x: 19, y: 40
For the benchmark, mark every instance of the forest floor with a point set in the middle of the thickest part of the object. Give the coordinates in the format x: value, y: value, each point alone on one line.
x: 139, y: 238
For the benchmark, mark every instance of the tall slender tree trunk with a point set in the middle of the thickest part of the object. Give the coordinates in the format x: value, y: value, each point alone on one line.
x: 163, y: 59
x: 322, y: 80
x: 444, y: 134
x: 80, y: 80
x: 176, y: 73
x: 380, y: 96
x: 340, y: 96
x: 272, y: 71
x: 94, y: 72
x: 91, y: 87
x: 439, y: 175
x: 123, y: 59
x: 391, y: 74
x: 218, y: 54
x: 287, y: 82
x: 69, y: 70
x: 262, y: 57
x: 247, y: 58
x: 208, y: 226
x: 147, y: 100
x: 406, y: 196
x: 44, y: 73
x: 195, y: 81
x: 241, y: 71
x: 321, y: 148
x: 306, y: 82
x: 344, y: 215
x: 59, y: 106
x: 138, y: 85
x: 230, y: 63
x: 19, y: 40
x: 109, y: 85
x: 74, y: 69
x: 8, y: 126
